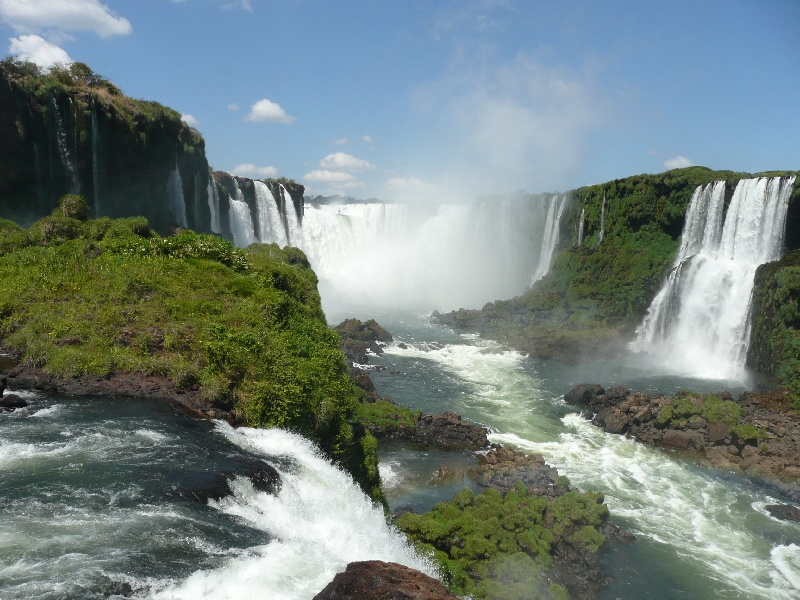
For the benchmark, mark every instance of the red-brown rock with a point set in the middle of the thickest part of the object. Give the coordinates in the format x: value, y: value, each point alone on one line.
x: 377, y: 580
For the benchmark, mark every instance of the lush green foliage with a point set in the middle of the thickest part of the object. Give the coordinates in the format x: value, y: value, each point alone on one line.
x: 385, y: 415
x: 711, y: 408
x: 491, y: 545
x: 94, y: 297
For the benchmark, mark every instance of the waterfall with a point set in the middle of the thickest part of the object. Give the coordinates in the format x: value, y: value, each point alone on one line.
x: 177, y: 203
x: 602, y: 221
x: 293, y: 232
x: 95, y: 167
x: 270, y: 225
x: 241, y: 220
x: 63, y: 150
x: 550, y: 237
x: 213, y: 205
x: 698, y: 323
x: 580, y: 227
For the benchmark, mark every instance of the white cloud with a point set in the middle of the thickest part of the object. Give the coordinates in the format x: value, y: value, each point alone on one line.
x: 340, y: 142
x: 26, y: 16
x: 325, y: 176
x: 250, y: 170
x: 679, y: 162
x: 243, y: 4
x: 345, y: 162
x: 267, y: 111
x: 367, y: 139
x: 233, y: 106
x: 37, y: 50
x: 190, y: 120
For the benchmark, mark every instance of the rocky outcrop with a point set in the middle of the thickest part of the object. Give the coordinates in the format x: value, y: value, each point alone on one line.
x: 447, y: 431
x: 130, y: 385
x: 502, y: 467
x: 757, y: 434
x: 358, y: 339
x: 377, y: 580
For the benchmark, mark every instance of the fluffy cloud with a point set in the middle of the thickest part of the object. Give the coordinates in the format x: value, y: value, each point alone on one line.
x: 679, y: 162
x: 345, y: 162
x: 367, y: 138
x: 233, y: 106
x: 250, y: 170
x: 340, y: 142
x: 330, y: 177
x: 26, y: 16
x: 190, y: 120
x: 37, y: 50
x: 267, y: 111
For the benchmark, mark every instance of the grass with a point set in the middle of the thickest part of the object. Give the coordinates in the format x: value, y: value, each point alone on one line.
x: 91, y: 297
x: 498, y: 546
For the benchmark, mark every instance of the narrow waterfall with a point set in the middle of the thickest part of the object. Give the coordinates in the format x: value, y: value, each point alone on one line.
x: 95, y: 166
x: 213, y: 205
x: 550, y: 237
x: 241, y: 220
x: 698, y: 323
x: 293, y: 232
x: 63, y: 150
x: 177, y: 203
x: 270, y: 225
x: 580, y: 227
x: 602, y: 221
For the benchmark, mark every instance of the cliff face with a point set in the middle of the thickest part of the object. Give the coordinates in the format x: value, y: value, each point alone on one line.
x: 775, y: 339
x: 71, y: 131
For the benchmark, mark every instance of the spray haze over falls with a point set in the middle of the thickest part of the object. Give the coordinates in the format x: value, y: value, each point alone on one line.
x: 405, y: 255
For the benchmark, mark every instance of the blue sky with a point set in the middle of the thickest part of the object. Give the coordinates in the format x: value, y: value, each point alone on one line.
x: 448, y: 100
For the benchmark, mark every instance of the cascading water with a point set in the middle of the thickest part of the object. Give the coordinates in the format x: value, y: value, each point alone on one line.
x: 698, y: 323
x: 580, y: 227
x: 95, y: 166
x: 550, y: 238
x: 602, y: 221
x: 241, y: 220
x: 63, y: 149
x: 293, y: 230
x: 270, y: 224
x: 213, y: 205
x: 177, y: 202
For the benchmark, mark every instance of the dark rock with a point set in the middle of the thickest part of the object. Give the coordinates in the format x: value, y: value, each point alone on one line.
x: 356, y: 338
x: 3, y: 384
x: 448, y: 431
x: 378, y: 580
x: 617, y: 392
x: 583, y: 393
x: 502, y: 468
x: 363, y: 381
x: 12, y: 401
x: 6, y: 362
x: 718, y: 432
x: 787, y: 512
x: 402, y: 346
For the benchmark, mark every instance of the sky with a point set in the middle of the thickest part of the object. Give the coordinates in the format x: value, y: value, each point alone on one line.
x: 450, y: 100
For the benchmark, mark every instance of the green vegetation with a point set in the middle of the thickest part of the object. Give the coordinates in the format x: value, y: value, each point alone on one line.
x: 596, y: 293
x: 495, y: 546
x: 775, y: 342
x: 713, y: 409
x: 385, y: 415
x: 91, y: 297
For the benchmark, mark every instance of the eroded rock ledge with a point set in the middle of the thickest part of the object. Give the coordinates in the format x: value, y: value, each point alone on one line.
x: 757, y: 434
x: 378, y: 580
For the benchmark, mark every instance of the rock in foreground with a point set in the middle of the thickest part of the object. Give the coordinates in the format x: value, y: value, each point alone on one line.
x: 377, y: 580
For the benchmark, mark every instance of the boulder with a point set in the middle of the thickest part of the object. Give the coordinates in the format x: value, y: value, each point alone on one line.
x: 448, y: 431
x: 12, y: 401
x: 787, y: 512
x: 718, y: 432
x: 3, y: 384
x: 378, y: 580
x: 583, y: 393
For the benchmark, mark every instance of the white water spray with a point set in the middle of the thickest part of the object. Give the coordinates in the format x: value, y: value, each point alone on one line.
x: 698, y: 323
x: 270, y: 224
x: 177, y: 202
x: 580, y: 227
x: 63, y: 149
x: 213, y: 205
x: 240, y: 219
x: 550, y: 238
x: 320, y: 521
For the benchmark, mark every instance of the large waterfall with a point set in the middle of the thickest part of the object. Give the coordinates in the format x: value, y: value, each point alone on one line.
x: 410, y: 255
x: 63, y: 149
x: 698, y: 323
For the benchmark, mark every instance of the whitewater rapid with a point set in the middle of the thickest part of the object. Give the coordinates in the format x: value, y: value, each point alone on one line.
x: 702, y: 524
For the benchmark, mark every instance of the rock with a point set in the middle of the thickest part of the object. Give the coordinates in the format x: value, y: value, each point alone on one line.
x: 12, y: 401
x: 502, y: 468
x: 356, y: 338
x: 583, y: 393
x: 378, y: 580
x: 787, y: 512
x: 448, y: 431
x: 363, y: 381
x: 3, y: 384
x: 7, y: 363
x: 718, y: 432
x: 617, y: 392
x: 402, y: 346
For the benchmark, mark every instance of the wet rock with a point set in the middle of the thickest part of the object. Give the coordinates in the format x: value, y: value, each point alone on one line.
x: 718, y: 432
x: 583, y: 393
x: 357, y: 339
x: 11, y: 402
x: 3, y: 384
x: 787, y: 512
x: 501, y: 468
x: 378, y: 580
x: 448, y: 431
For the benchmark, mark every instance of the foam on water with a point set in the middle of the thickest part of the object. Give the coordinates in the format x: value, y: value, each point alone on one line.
x: 320, y: 521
